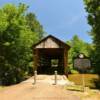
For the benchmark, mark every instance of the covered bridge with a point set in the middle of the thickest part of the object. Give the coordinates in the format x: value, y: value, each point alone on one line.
x: 50, y: 54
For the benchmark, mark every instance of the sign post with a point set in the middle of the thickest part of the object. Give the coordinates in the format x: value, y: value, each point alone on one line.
x: 82, y: 63
x: 81, y: 56
x: 83, y: 80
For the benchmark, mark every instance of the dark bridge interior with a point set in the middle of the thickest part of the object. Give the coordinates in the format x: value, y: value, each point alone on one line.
x: 50, y: 60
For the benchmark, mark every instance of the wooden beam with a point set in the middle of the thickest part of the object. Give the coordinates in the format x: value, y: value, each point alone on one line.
x: 66, y: 62
x: 36, y: 58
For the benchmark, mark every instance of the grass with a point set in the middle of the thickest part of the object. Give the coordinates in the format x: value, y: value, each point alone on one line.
x: 88, y: 94
x: 89, y: 79
x: 74, y: 88
x: 1, y: 87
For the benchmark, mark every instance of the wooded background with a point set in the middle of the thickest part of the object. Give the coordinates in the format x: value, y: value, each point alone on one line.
x: 20, y: 29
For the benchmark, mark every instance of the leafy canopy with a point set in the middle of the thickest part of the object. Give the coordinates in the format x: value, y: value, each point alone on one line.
x: 93, y: 9
x: 19, y: 30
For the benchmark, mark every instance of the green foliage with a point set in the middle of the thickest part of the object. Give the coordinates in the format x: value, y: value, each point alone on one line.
x: 93, y: 9
x: 74, y: 71
x: 34, y: 25
x: 78, y: 46
x: 16, y: 40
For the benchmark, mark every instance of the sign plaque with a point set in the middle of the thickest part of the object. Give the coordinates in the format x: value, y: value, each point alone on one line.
x: 82, y: 62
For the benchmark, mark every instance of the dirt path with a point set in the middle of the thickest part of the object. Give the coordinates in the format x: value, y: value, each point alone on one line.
x: 43, y: 90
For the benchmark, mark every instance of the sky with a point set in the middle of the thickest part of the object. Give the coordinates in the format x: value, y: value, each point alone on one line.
x: 60, y: 18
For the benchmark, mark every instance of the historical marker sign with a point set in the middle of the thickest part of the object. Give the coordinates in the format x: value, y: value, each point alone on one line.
x: 82, y: 63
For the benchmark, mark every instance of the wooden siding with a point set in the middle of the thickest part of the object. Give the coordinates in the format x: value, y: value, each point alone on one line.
x: 48, y: 43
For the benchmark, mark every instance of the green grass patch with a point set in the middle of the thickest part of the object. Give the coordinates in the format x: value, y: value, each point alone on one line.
x: 89, y: 79
x: 1, y: 87
x: 75, y: 88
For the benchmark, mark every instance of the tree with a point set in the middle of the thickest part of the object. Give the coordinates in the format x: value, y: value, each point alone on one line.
x: 93, y: 9
x: 34, y: 25
x: 16, y: 40
x: 78, y: 46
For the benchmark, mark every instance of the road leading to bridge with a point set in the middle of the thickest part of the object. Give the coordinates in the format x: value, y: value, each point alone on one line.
x: 42, y: 90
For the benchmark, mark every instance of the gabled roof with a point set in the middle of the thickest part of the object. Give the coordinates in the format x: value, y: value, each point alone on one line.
x: 56, y: 39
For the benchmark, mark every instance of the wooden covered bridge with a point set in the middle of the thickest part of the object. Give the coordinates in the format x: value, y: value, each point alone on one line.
x: 50, y: 54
